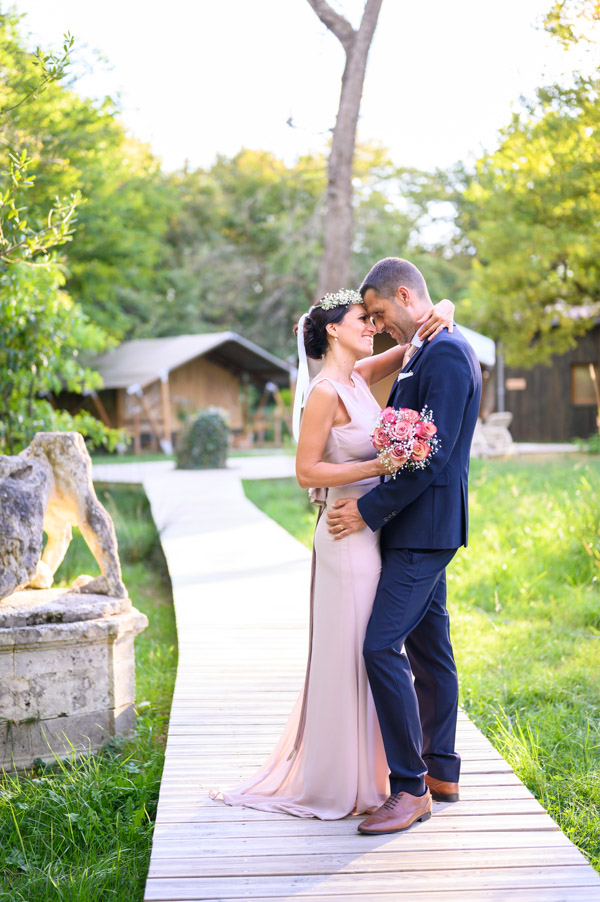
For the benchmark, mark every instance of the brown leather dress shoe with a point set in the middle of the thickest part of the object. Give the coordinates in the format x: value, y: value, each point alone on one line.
x: 397, y: 813
x: 442, y: 790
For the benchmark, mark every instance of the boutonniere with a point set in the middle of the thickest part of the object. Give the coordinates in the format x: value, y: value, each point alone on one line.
x: 402, y: 376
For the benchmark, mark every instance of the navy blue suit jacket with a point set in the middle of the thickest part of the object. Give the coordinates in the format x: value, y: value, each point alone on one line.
x: 428, y: 509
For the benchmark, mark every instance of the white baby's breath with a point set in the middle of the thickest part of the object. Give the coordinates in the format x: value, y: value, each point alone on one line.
x: 340, y: 298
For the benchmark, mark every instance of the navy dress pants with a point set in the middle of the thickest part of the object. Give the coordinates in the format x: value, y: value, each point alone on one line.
x: 408, y: 636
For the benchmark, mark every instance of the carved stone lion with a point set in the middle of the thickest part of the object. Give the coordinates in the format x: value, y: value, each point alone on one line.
x: 48, y: 487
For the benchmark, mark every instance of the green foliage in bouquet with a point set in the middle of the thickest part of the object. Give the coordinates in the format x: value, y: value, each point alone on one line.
x: 203, y: 443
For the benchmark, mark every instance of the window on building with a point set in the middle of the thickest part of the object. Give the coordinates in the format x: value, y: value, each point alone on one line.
x: 582, y: 383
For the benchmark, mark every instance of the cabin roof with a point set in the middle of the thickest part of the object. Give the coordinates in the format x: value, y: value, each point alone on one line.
x: 144, y: 360
x: 484, y: 347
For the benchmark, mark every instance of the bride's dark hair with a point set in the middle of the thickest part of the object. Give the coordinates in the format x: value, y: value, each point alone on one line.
x: 315, y: 328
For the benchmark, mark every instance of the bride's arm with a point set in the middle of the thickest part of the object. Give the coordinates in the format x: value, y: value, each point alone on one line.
x: 374, y: 369
x: 317, y: 420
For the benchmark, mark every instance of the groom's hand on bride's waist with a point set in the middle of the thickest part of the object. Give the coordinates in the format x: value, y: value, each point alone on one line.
x: 343, y: 518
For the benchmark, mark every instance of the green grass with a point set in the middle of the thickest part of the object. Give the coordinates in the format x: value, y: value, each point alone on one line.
x: 130, y: 458
x: 81, y: 830
x: 524, y: 600
x: 283, y: 501
x: 288, y: 449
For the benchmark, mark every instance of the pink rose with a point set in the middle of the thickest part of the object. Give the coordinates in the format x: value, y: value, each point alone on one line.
x: 420, y: 450
x: 398, y: 455
x: 380, y: 438
x: 401, y: 430
x: 425, y: 429
x: 388, y: 415
x: 411, y: 415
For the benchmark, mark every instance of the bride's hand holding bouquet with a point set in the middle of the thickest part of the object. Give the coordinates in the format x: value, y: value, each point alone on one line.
x: 404, y: 439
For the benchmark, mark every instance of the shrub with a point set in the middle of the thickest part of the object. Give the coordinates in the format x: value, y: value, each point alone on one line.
x: 593, y: 444
x: 203, y: 444
x: 590, y: 445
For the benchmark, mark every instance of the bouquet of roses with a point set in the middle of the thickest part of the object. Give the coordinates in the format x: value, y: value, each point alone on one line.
x: 405, y: 439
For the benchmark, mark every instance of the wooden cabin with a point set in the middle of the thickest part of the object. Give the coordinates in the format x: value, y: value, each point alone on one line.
x: 558, y: 401
x: 151, y: 384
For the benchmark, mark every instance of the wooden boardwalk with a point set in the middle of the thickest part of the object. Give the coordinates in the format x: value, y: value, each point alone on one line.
x: 241, y: 594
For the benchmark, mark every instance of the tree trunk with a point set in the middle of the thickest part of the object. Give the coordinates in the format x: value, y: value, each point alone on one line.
x: 335, y: 265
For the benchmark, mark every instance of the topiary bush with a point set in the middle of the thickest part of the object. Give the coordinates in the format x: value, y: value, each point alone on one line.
x: 203, y: 443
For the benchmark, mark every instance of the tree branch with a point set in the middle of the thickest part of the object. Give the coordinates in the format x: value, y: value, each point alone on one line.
x: 369, y: 21
x: 335, y: 263
x: 53, y: 68
x: 340, y: 27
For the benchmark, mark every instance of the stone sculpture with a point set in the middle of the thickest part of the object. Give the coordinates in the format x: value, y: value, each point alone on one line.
x: 48, y: 487
x: 66, y: 655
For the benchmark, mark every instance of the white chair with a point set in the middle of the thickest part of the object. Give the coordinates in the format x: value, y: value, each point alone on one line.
x: 496, y: 434
x: 479, y: 445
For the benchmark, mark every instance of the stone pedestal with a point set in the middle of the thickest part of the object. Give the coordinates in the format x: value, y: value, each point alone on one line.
x: 67, y: 673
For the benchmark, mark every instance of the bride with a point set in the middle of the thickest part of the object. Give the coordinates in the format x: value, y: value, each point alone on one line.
x: 330, y: 760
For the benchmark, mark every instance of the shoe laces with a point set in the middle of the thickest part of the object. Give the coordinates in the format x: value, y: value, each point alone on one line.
x: 391, y: 802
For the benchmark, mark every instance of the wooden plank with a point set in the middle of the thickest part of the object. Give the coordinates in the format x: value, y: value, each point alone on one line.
x: 245, y: 757
x: 217, y: 718
x: 218, y: 713
x: 176, y: 807
x: 259, y: 751
x: 231, y: 765
x: 549, y: 894
x: 351, y: 863
x: 180, y: 727
x: 196, y: 710
x: 299, y: 826
x: 186, y: 731
x: 264, y: 741
x: 507, y: 879
x: 199, y: 788
x: 265, y: 695
x: 479, y: 808
x: 356, y: 844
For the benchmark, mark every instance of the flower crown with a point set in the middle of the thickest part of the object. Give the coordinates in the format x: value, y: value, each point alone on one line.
x: 341, y: 298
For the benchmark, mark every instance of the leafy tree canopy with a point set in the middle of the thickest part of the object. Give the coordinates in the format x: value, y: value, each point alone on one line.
x: 531, y: 210
x: 116, y: 256
x: 572, y: 21
x: 44, y: 333
x: 248, y: 239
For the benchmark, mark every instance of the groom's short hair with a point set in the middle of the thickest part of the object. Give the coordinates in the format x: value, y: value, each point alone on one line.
x: 391, y: 272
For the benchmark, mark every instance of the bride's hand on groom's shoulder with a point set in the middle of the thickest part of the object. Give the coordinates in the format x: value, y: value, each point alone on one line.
x: 441, y: 317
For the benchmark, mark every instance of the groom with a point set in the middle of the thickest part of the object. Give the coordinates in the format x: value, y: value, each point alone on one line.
x: 422, y: 515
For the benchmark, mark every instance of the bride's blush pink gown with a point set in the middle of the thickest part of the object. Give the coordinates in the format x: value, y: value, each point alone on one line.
x: 330, y: 760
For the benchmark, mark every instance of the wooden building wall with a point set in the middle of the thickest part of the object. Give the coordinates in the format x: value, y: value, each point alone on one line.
x: 541, y: 399
x: 196, y: 384
x: 200, y: 383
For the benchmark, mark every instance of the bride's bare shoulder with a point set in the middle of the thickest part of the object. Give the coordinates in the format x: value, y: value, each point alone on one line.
x: 323, y: 389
